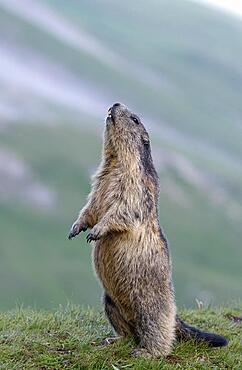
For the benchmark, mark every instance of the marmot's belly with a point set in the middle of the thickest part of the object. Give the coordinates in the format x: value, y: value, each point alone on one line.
x: 125, y: 266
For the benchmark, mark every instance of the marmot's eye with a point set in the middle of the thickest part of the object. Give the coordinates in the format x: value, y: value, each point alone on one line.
x: 135, y: 119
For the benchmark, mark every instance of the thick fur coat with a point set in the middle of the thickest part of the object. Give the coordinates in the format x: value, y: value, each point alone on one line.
x: 131, y: 254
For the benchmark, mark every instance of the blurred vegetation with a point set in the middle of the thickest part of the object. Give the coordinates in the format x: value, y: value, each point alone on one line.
x: 180, y: 68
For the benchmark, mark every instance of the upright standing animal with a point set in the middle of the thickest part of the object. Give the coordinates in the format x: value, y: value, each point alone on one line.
x: 131, y: 254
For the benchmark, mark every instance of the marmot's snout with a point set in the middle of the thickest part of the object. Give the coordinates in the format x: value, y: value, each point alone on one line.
x: 116, y: 110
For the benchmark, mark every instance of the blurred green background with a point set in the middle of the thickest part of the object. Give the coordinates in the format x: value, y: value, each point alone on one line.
x: 178, y: 65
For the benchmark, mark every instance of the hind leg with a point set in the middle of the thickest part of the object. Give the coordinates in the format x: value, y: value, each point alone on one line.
x: 155, y: 328
x: 120, y: 325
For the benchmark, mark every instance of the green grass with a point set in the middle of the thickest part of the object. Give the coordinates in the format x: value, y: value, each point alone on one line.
x: 71, y: 338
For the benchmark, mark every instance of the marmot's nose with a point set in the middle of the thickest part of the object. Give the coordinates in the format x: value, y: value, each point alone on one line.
x: 118, y: 108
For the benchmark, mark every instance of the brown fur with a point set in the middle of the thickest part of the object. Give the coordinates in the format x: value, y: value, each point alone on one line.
x: 131, y: 255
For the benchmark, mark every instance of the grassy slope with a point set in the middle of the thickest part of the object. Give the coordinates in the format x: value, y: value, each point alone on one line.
x: 192, y: 51
x: 45, y: 268
x: 189, y: 48
x: 71, y: 338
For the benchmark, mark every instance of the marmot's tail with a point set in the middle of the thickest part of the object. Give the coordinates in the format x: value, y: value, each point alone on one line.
x: 186, y: 332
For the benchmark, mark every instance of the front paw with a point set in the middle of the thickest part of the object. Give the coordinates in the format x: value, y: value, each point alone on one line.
x: 94, y: 234
x: 76, y: 228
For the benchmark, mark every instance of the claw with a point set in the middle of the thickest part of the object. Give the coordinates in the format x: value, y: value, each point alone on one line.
x: 94, y: 234
x: 90, y: 237
x: 75, y: 230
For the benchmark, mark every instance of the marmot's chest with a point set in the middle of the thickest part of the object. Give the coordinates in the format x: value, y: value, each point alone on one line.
x: 107, y: 197
x: 116, y: 190
x: 113, y: 256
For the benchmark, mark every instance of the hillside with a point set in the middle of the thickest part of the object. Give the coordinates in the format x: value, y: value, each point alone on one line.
x: 72, y: 338
x: 175, y: 63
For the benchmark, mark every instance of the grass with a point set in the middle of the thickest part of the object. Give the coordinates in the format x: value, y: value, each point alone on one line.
x: 71, y: 338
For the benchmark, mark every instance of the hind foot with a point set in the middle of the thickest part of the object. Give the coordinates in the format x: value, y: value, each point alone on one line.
x: 110, y: 340
x: 141, y: 352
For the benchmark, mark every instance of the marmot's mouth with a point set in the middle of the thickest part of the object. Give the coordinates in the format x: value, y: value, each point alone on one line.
x: 110, y: 115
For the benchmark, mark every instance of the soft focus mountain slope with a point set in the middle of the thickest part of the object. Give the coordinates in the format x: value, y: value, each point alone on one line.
x: 178, y: 65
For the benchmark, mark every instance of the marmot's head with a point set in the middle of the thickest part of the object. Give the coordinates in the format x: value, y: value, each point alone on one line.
x: 127, y: 139
x: 125, y: 131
